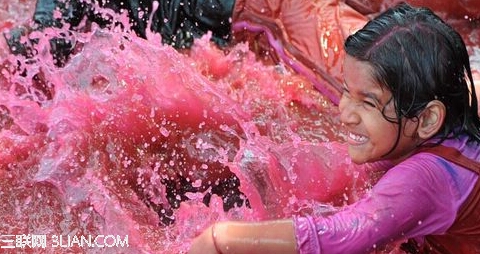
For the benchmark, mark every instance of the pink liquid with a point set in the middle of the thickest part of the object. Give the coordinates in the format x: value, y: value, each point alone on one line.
x: 134, y: 138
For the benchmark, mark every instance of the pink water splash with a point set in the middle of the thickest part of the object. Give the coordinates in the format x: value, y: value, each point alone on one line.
x: 134, y: 138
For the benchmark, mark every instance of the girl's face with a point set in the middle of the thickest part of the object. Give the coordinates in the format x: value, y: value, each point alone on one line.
x: 370, y: 136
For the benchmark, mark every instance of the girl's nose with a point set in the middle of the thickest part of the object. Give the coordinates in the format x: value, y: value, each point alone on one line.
x: 348, y: 115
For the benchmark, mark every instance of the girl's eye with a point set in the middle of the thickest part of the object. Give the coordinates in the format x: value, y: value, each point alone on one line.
x: 365, y: 101
x: 370, y: 104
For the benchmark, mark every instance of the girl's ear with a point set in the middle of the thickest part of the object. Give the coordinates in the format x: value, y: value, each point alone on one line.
x: 431, y: 119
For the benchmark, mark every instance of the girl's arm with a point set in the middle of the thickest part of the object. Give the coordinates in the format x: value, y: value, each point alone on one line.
x: 237, y: 237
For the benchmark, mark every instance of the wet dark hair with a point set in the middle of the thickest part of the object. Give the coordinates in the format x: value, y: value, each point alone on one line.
x: 420, y: 58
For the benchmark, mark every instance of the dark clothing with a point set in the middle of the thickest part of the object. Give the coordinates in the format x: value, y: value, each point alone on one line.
x: 178, y: 21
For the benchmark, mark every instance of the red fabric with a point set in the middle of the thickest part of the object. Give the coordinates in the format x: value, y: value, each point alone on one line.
x: 312, y: 32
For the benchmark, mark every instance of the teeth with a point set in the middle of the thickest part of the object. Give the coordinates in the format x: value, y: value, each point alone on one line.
x: 357, y: 138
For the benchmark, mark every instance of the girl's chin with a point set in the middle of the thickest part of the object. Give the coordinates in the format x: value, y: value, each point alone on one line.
x: 356, y: 155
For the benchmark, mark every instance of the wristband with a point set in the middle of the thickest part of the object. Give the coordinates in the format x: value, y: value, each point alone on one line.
x: 214, y: 239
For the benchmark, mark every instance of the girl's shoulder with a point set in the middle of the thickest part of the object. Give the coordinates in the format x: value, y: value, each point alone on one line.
x: 420, y: 167
x: 437, y: 172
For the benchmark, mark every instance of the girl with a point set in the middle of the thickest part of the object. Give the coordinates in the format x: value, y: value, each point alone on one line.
x: 408, y: 98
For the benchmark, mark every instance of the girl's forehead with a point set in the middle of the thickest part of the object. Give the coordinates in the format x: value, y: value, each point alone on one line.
x: 359, y: 79
x: 360, y: 75
x: 356, y: 70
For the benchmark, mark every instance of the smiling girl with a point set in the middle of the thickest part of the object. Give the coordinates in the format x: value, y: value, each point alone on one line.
x: 406, y: 100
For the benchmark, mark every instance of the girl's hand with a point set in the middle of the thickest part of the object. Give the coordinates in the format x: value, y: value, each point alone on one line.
x: 266, y: 237
x: 205, y: 242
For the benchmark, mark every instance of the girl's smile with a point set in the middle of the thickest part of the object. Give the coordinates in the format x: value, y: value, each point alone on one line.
x: 365, y: 107
x: 356, y: 140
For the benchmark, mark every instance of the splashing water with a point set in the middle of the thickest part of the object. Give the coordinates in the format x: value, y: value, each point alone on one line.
x: 132, y: 138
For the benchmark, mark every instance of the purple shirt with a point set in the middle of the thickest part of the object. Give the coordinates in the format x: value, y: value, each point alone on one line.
x: 418, y: 197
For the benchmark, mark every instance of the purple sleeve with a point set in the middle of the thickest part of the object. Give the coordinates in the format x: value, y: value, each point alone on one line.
x: 413, y: 199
